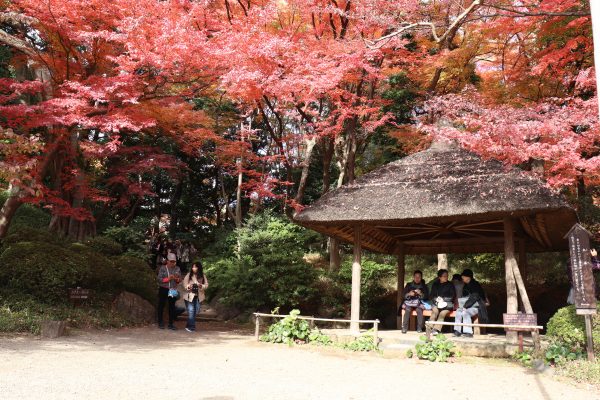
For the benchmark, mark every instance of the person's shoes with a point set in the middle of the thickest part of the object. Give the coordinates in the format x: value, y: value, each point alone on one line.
x: 469, y: 335
x: 172, y: 327
x: 419, y: 331
x: 189, y: 330
x: 161, y: 326
x: 457, y: 333
x: 404, y: 331
x: 435, y: 332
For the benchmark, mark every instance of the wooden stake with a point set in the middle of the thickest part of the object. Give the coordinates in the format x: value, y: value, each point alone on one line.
x: 355, y: 298
x: 590, y: 338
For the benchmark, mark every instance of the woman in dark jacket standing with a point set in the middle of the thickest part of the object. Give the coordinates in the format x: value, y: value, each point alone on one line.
x: 442, y: 299
x: 413, y: 293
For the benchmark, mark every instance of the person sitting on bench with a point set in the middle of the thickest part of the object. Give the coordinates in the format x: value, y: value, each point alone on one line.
x: 442, y: 296
x: 414, y: 292
x: 472, y: 302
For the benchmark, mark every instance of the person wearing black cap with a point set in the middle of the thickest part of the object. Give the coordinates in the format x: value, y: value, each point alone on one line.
x: 472, y: 302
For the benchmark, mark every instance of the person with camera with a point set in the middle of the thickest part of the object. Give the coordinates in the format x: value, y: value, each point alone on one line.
x: 442, y: 296
x: 169, y: 276
x: 195, y: 283
x: 414, y: 292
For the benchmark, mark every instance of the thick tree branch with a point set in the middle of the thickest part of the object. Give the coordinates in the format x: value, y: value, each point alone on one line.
x: 438, y: 39
x: 17, y: 44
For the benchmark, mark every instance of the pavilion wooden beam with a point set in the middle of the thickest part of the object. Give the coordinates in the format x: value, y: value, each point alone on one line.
x: 401, y: 269
x: 356, y: 267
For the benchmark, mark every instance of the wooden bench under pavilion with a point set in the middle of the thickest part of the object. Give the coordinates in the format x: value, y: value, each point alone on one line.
x: 444, y: 200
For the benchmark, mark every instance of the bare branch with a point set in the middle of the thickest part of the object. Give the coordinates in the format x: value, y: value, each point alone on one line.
x: 18, y: 44
x: 438, y: 39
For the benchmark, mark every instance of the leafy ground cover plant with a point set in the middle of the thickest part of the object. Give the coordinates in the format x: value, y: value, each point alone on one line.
x: 440, y: 349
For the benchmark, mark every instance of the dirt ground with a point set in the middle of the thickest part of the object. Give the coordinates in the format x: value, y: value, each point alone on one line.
x: 219, y: 362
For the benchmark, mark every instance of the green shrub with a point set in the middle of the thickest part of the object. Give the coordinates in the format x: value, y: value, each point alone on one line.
x: 43, y: 270
x: 559, y: 353
x: 28, y: 234
x: 291, y: 329
x: 374, y: 282
x: 131, y: 240
x: 47, y: 271
x: 288, y: 330
x: 103, y: 275
x: 23, y: 313
x: 105, y: 245
x: 361, y: 343
x: 438, y: 349
x: 569, y: 328
x: 136, y: 277
x: 270, y: 270
x: 27, y: 215
x: 525, y: 357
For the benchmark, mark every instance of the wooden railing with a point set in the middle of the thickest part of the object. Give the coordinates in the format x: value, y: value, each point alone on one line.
x: 375, y: 322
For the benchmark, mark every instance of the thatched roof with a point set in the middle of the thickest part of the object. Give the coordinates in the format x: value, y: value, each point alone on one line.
x: 446, y: 194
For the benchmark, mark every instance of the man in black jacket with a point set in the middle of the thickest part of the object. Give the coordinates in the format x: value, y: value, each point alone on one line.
x: 442, y: 296
x: 473, y: 302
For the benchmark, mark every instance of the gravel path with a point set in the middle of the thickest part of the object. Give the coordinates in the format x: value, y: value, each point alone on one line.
x: 221, y: 363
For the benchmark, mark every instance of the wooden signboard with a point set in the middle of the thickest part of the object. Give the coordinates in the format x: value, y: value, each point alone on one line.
x: 584, y: 290
x: 78, y: 295
x: 520, y: 319
x: 581, y: 270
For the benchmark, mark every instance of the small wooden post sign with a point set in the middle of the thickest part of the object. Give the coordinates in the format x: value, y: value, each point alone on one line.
x: 583, y: 280
x: 78, y: 295
x: 520, y: 319
x: 581, y: 270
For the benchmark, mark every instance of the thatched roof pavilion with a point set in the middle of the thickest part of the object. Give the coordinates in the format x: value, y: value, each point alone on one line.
x: 444, y: 200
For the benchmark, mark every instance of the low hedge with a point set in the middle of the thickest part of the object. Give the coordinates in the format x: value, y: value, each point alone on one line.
x: 43, y: 270
x: 105, y: 245
x: 569, y: 328
x: 46, y: 270
x: 136, y: 277
x: 23, y: 313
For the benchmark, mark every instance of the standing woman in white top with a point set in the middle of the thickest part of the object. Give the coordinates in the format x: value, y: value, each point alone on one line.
x: 195, y: 283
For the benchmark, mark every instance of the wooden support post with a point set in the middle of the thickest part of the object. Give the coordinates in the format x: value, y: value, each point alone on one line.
x: 510, y: 264
x: 520, y: 281
x: 376, y: 333
x: 590, y: 340
x: 257, y: 327
x: 523, y: 266
x: 400, y: 285
x: 355, y: 297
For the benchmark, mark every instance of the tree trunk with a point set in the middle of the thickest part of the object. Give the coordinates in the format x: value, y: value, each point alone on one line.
x: 174, y: 207
x: 132, y: 212
x: 310, y: 145
x: 442, y: 261
x: 328, y: 150
x: 8, y: 210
